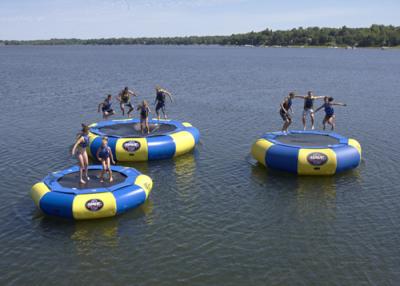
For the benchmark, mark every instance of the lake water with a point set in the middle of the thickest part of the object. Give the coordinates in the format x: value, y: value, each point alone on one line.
x: 213, y: 217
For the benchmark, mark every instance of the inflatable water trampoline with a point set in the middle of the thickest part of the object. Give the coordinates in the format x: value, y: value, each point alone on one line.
x: 167, y: 139
x: 307, y: 152
x: 61, y: 194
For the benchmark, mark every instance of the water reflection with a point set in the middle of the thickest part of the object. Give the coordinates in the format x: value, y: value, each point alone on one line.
x: 142, y: 167
x: 181, y: 167
x: 311, y: 192
x: 87, y: 234
x: 184, y: 171
x: 177, y: 174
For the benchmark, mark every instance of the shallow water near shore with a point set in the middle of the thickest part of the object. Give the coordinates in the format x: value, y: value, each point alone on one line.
x: 214, y: 216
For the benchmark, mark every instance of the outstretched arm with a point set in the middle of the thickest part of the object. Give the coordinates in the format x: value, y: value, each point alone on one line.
x: 339, y: 104
x: 100, y: 105
x: 319, y: 108
x: 97, y: 154
x: 169, y: 95
x: 111, y: 155
x: 300, y: 96
x: 132, y: 93
x: 76, y: 145
x: 318, y: 97
x: 165, y: 91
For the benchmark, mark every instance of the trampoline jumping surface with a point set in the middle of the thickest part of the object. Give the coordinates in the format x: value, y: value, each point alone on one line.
x: 133, y: 130
x: 307, y: 140
x: 72, y: 180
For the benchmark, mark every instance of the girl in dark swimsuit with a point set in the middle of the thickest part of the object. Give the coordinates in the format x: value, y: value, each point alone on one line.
x: 160, y: 101
x: 329, y: 111
x: 124, y: 99
x: 286, y: 108
x: 308, y: 107
x: 80, y: 150
x: 144, y: 110
x: 106, y: 107
x: 105, y: 156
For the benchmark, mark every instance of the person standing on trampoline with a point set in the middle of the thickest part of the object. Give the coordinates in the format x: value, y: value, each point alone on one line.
x: 106, y: 107
x: 308, y: 107
x: 80, y: 145
x: 144, y: 116
x: 286, y: 109
x: 329, y: 111
x: 124, y: 99
x: 105, y: 156
x: 160, y: 101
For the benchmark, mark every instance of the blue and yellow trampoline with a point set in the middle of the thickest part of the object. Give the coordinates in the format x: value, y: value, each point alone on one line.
x: 167, y: 139
x: 61, y: 194
x: 307, y: 152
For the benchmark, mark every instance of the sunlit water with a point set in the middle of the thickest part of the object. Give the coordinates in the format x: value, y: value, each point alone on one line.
x: 214, y: 217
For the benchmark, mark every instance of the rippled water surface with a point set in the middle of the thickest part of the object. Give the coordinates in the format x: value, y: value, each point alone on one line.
x: 213, y: 217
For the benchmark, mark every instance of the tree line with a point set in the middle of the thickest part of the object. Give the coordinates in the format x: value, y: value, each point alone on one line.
x: 373, y: 36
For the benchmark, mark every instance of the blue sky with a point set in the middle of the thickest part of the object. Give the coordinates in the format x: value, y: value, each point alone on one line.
x: 44, y: 19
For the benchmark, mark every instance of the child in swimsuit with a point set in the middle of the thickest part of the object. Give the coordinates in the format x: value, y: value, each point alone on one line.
x: 144, y: 110
x: 106, y: 107
x: 329, y: 111
x: 286, y: 108
x: 160, y: 101
x: 124, y: 99
x: 308, y: 107
x: 105, y: 156
x: 80, y: 150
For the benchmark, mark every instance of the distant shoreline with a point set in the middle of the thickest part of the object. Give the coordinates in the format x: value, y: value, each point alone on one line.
x: 205, y: 45
x: 375, y: 36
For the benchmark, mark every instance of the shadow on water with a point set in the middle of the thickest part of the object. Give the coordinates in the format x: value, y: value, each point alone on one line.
x: 175, y: 183
x: 314, y: 198
x: 101, y: 232
x: 181, y: 167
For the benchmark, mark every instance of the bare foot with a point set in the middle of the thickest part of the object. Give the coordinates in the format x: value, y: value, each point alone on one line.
x: 111, y: 179
x: 82, y: 182
x: 101, y: 180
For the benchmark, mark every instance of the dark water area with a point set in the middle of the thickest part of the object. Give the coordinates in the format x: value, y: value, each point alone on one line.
x: 214, y: 217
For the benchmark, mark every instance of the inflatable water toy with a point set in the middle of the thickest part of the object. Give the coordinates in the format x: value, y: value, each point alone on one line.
x: 307, y: 152
x: 61, y: 194
x: 167, y: 139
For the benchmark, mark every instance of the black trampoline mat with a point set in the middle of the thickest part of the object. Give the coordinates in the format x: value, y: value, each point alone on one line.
x: 307, y: 140
x: 133, y: 130
x: 72, y: 180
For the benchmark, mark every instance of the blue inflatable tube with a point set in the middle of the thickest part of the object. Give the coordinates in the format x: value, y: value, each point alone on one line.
x: 307, y: 152
x: 167, y: 139
x: 60, y: 194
